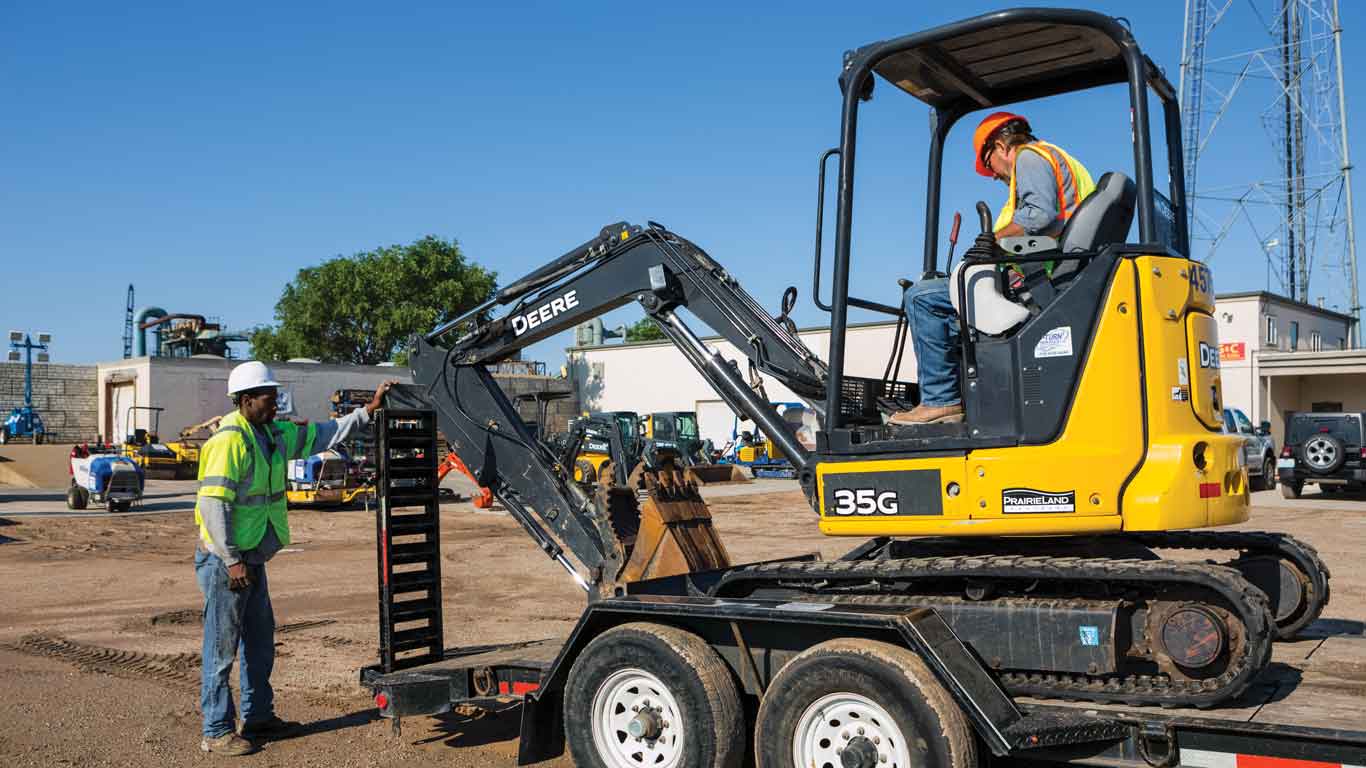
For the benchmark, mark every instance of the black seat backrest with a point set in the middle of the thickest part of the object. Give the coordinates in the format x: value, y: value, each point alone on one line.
x: 1104, y: 217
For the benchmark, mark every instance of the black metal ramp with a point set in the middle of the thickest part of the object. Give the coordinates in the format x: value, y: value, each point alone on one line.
x: 409, y: 538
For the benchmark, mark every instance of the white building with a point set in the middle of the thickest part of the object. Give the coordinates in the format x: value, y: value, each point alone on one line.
x: 1278, y: 355
x: 194, y: 389
x: 653, y: 376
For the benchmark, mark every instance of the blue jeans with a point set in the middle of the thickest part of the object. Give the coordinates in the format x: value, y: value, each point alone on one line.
x: 235, y: 623
x: 934, y: 334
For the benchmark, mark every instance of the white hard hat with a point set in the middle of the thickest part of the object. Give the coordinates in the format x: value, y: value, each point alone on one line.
x: 250, y: 375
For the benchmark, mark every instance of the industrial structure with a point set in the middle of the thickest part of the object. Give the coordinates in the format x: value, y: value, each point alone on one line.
x: 1274, y: 67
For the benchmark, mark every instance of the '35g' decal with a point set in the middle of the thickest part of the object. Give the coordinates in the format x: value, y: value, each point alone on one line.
x: 865, y: 501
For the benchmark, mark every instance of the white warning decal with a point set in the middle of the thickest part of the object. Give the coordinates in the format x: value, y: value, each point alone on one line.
x: 1055, y: 343
x: 1183, y: 371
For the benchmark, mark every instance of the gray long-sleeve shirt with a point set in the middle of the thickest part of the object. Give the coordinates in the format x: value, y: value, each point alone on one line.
x: 1036, y: 194
x: 217, y: 513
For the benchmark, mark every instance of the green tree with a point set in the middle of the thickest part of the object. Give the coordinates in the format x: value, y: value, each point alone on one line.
x: 644, y: 329
x: 363, y: 309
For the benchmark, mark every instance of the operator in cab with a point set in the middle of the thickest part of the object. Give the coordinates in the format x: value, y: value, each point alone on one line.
x: 1045, y: 187
x: 243, y: 522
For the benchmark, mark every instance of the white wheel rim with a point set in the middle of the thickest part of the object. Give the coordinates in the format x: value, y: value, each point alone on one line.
x: 618, y: 701
x: 834, y: 720
x: 1320, y: 453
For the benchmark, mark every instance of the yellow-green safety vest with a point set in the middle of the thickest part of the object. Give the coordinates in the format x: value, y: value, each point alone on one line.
x: 1069, y: 195
x: 233, y: 467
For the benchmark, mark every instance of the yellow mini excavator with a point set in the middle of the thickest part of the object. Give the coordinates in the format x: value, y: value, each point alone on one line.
x: 1091, y: 443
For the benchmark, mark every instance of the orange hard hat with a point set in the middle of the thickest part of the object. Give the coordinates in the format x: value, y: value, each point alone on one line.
x: 984, y: 130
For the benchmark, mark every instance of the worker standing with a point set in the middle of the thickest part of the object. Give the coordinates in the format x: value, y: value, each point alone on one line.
x: 243, y: 522
x: 1045, y: 186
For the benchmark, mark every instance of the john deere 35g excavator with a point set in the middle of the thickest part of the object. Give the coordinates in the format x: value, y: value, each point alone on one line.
x: 1043, y: 514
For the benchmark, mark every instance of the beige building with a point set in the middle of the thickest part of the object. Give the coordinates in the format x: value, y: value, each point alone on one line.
x: 1277, y: 355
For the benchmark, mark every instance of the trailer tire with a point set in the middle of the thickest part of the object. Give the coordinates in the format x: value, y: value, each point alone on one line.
x: 38, y: 438
x: 75, y: 497
x: 851, y: 693
x: 699, y: 721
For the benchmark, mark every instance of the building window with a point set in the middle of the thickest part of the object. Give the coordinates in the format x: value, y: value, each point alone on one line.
x: 1294, y: 335
x: 1273, y: 336
x: 1315, y: 341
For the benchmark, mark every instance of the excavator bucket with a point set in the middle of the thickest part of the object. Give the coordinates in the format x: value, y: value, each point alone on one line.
x: 715, y: 474
x: 673, y: 534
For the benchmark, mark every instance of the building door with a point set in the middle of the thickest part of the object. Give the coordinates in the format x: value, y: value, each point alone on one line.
x: 715, y: 421
x: 119, y: 396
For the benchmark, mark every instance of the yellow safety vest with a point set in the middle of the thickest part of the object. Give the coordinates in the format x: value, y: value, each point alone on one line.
x: 1069, y: 195
x: 234, y: 468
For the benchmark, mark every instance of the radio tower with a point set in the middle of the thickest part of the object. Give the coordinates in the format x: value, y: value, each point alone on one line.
x: 1265, y: 142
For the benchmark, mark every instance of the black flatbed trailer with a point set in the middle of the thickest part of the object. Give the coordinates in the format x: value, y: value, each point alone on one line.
x: 1309, y: 711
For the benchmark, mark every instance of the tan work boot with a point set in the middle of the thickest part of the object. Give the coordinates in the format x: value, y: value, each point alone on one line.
x: 229, y: 744
x: 928, y: 414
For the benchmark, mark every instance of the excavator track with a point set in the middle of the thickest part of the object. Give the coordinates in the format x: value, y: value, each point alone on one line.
x: 1297, y: 583
x: 1288, y: 570
x: 1144, y: 593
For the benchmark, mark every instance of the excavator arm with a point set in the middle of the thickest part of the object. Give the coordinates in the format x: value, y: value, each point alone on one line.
x: 663, y: 273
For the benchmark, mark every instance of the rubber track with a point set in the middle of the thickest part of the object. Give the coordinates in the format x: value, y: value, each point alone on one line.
x: 1244, y: 599
x: 176, y: 668
x: 1304, y: 556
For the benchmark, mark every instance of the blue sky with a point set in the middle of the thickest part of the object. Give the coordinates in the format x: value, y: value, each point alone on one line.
x: 206, y: 153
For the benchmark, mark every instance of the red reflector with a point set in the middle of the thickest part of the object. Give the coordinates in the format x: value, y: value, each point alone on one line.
x: 1257, y: 761
x: 1285, y: 452
x: 1209, y: 490
x: 516, y: 688
x: 1363, y: 451
x: 381, y: 700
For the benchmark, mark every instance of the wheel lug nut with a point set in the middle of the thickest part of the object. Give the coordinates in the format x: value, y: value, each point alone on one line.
x: 877, y: 739
x: 845, y: 735
x: 860, y: 730
x: 635, y: 709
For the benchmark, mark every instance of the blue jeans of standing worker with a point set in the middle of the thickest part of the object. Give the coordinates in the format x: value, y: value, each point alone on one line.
x: 235, y: 623
x: 934, y: 334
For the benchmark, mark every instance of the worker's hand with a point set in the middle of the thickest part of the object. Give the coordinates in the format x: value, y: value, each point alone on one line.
x: 378, y: 399
x: 238, y: 579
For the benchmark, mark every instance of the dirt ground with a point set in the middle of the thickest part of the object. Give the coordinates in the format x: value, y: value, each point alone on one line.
x: 100, y: 635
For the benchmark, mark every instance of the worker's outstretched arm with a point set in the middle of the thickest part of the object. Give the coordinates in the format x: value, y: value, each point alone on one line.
x: 330, y: 433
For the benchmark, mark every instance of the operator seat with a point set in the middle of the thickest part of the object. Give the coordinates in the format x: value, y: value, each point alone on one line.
x: 1102, y: 218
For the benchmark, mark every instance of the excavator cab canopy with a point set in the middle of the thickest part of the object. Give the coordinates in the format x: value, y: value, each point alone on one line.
x: 981, y: 64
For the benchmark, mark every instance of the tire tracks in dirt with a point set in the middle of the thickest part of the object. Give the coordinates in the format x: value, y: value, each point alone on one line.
x: 176, y: 669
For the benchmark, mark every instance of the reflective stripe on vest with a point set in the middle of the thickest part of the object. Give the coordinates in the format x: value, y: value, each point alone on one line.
x: 1073, y: 187
x: 255, y: 485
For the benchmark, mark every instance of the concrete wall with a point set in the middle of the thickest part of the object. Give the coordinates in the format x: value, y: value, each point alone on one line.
x: 64, y: 396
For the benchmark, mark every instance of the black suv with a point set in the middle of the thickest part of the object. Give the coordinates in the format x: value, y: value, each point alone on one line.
x: 1323, y: 448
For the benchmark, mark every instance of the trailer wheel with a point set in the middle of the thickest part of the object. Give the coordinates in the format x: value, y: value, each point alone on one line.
x: 861, y: 704
x: 38, y: 438
x: 75, y: 497
x: 652, y: 696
